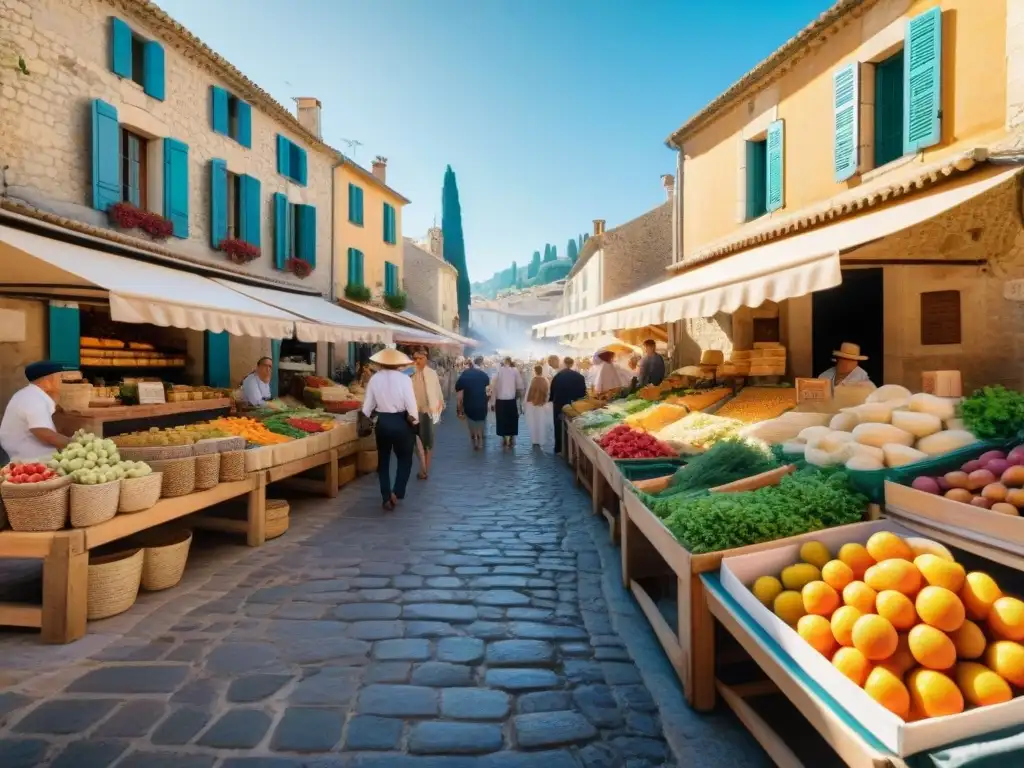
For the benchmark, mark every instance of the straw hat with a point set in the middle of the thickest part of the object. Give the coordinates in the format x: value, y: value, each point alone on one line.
x: 390, y: 357
x: 849, y: 351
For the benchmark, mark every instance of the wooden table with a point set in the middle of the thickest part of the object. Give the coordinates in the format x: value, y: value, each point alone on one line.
x: 117, y: 420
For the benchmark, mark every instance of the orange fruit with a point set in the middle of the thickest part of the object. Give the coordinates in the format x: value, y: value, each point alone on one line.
x: 860, y: 596
x: 837, y: 574
x: 815, y: 553
x: 978, y: 593
x: 875, y: 637
x: 940, y: 608
x: 980, y: 685
x: 931, y: 647
x: 902, y: 660
x: 969, y: 641
x: 789, y: 606
x: 852, y: 663
x: 819, y: 598
x: 886, y: 545
x: 1006, y: 658
x: 857, y: 557
x: 796, y: 576
x: 888, y: 690
x: 901, y: 575
x: 1006, y: 619
x: 842, y: 624
x: 933, y: 694
x: 897, y: 608
x: 940, y: 572
x: 817, y: 632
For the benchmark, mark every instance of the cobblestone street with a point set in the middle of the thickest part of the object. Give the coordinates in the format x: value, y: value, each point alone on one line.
x: 482, y: 624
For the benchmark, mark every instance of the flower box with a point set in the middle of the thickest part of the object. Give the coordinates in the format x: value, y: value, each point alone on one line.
x: 128, y: 216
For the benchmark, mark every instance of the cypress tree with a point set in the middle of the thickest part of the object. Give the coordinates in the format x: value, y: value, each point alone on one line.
x: 579, y: 243
x: 531, y: 271
x: 454, y: 243
x: 549, y: 253
x: 572, y: 251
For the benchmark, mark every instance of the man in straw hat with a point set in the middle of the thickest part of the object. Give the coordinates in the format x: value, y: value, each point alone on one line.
x: 390, y: 395
x: 846, y: 370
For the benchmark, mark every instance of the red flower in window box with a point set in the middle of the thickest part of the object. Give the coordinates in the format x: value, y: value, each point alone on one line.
x: 128, y: 216
x: 239, y: 251
x: 298, y: 267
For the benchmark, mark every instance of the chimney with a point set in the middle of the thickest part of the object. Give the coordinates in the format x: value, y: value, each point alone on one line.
x: 598, y: 226
x: 307, y: 109
x: 668, y: 181
x: 436, y: 241
x: 380, y: 168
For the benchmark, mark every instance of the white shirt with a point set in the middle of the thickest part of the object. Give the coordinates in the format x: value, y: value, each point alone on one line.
x: 390, y: 392
x: 857, y: 376
x: 30, y: 408
x: 255, y: 391
x: 610, y: 376
x: 506, y: 382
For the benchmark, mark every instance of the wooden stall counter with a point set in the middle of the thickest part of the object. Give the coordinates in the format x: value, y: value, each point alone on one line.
x: 119, y: 419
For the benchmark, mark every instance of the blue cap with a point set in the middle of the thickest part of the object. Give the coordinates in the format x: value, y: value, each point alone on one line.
x: 39, y: 369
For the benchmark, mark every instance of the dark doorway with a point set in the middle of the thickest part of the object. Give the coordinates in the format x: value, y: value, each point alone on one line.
x: 852, y: 311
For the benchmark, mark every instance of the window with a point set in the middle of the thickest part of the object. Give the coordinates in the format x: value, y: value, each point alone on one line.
x: 889, y: 109
x: 291, y: 160
x: 233, y: 103
x: 355, y: 266
x: 139, y: 60
x: 133, y: 168
x: 355, y: 204
x: 757, y: 178
x: 940, y: 318
x: 231, y: 116
x: 390, y: 236
x: 135, y: 58
x: 234, y: 208
x: 390, y: 279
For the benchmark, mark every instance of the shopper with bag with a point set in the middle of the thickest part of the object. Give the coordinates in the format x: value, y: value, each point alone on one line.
x: 389, y: 395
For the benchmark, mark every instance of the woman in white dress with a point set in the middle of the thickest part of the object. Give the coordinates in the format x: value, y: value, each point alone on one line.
x: 538, y: 409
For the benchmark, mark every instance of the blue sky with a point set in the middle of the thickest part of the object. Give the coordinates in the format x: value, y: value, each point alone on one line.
x: 552, y: 112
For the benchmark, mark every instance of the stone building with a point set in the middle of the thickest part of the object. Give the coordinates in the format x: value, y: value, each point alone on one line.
x: 431, y: 283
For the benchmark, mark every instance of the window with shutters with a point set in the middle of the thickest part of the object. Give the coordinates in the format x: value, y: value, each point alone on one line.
x: 234, y: 206
x: 135, y: 58
x: 888, y: 144
x: 757, y: 178
x: 390, y: 279
x: 355, y: 205
x: 139, y: 60
x: 291, y: 160
x: 133, y: 168
x: 355, y: 266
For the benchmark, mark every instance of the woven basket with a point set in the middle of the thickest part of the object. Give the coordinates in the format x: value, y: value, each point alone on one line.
x: 140, y: 493
x: 226, y: 444
x: 166, y: 551
x: 275, y: 528
x: 155, y: 453
x: 204, y: 447
x: 179, y: 476
x: 232, y: 466
x: 93, y: 504
x: 37, y: 506
x: 276, y: 509
x: 3, y: 516
x: 207, y: 471
x: 113, y: 583
x: 74, y: 397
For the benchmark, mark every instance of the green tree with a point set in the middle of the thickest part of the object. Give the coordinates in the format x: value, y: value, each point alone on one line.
x: 549, y: 254
x: 579, y: 243
x: 534, y: 267
x: 572, y: 251
x: 454, y: 242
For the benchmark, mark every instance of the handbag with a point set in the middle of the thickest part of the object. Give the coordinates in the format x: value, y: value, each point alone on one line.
x: 364, y: 424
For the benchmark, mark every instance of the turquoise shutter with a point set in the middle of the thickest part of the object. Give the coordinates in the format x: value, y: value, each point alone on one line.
x: 774, y: 197
x: 250, y: 208
x: 176, y: 185
x: 218, y: 202
x: 305, y: 223
x: 922, y: 86
x: 120, y: 48
x: 299, y: 173
x: 757, y: 179
x: 353, y: 267
x: 359, y: 266
x: 280, y: 230
x: 106, y: 156
x: 283, y: 155
x: 359, y: 206
x: 65, y: 333
x: 244, y: 125
x: 389, y: 224
x: 219, y: 109
x: 386, y: 217
x: 845, y: 98
x: 275, y: 357
x: 153, y: 75
x: 352, y: 203
x: 217, y: 368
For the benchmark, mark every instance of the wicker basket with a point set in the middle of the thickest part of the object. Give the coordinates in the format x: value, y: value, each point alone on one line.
x: 165, y: 554
x: 74, y: 397
x: 179, y: 476
x: 37, y: 506
x: 275, y: 528
x: 93, y: 504
x: 207, y: 471
x: 232, y: 466
x: 155, y: 453
x: 113, y: 583
x: 3, y: 515
x: 276, y: 509
x: 140, y: 493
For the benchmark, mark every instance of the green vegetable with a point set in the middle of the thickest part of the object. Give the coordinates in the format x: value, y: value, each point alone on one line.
x: 724, y: 462
x: 807, y: 500
x: 993, y: 413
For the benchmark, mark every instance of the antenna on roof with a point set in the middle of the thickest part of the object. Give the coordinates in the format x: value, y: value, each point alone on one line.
x: 353, y: 146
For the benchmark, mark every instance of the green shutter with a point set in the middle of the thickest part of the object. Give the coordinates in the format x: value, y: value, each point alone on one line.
x: 352, y: 266
x: 218, y: 202
x: 275, y: 357
x: 65, y: 333
x: 120, y: 48
x: 774, y: 197
x: 389, y: 284
x: 106, y: 156
x: 757, y: 185
x: 299, y: 171
x: 888, y: 141
x: 217, y: 363
x: 283, y: 156
x: 305, y: 221
x: 355, y: 204
x: 250, y: 208
x: 244, y: 136
x: 153, y: 76
x: 219, y: 109
x: 280, y: 230
x: 922, y: 87
x: 846, y: 113
x: 176, y: 185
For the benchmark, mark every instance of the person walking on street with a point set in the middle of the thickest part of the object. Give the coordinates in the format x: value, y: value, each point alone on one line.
x: 537, y: 406
x: 429, y: 402
x: 506, y: 393
x: 471, y: 391
x: 566, y: 387
x: 652, y: 367
x: 390, y: 395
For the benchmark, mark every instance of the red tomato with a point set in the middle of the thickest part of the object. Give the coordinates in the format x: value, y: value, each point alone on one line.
x: 35, y: 477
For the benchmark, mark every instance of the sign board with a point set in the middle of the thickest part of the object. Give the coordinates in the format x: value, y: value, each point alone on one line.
x: 151, y: 392
x: 813, y: 390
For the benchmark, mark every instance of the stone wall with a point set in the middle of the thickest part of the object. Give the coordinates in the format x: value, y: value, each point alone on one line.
x: 45, y: 131
x: 423, y: 282
x: 15, y: 355
x: 637, y: 253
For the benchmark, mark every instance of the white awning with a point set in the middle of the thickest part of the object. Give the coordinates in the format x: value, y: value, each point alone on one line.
x: 464, y: 341
x: 782, y: 269
x: 404, y: 335
x: 323, y: 321
x: 138, y: 292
